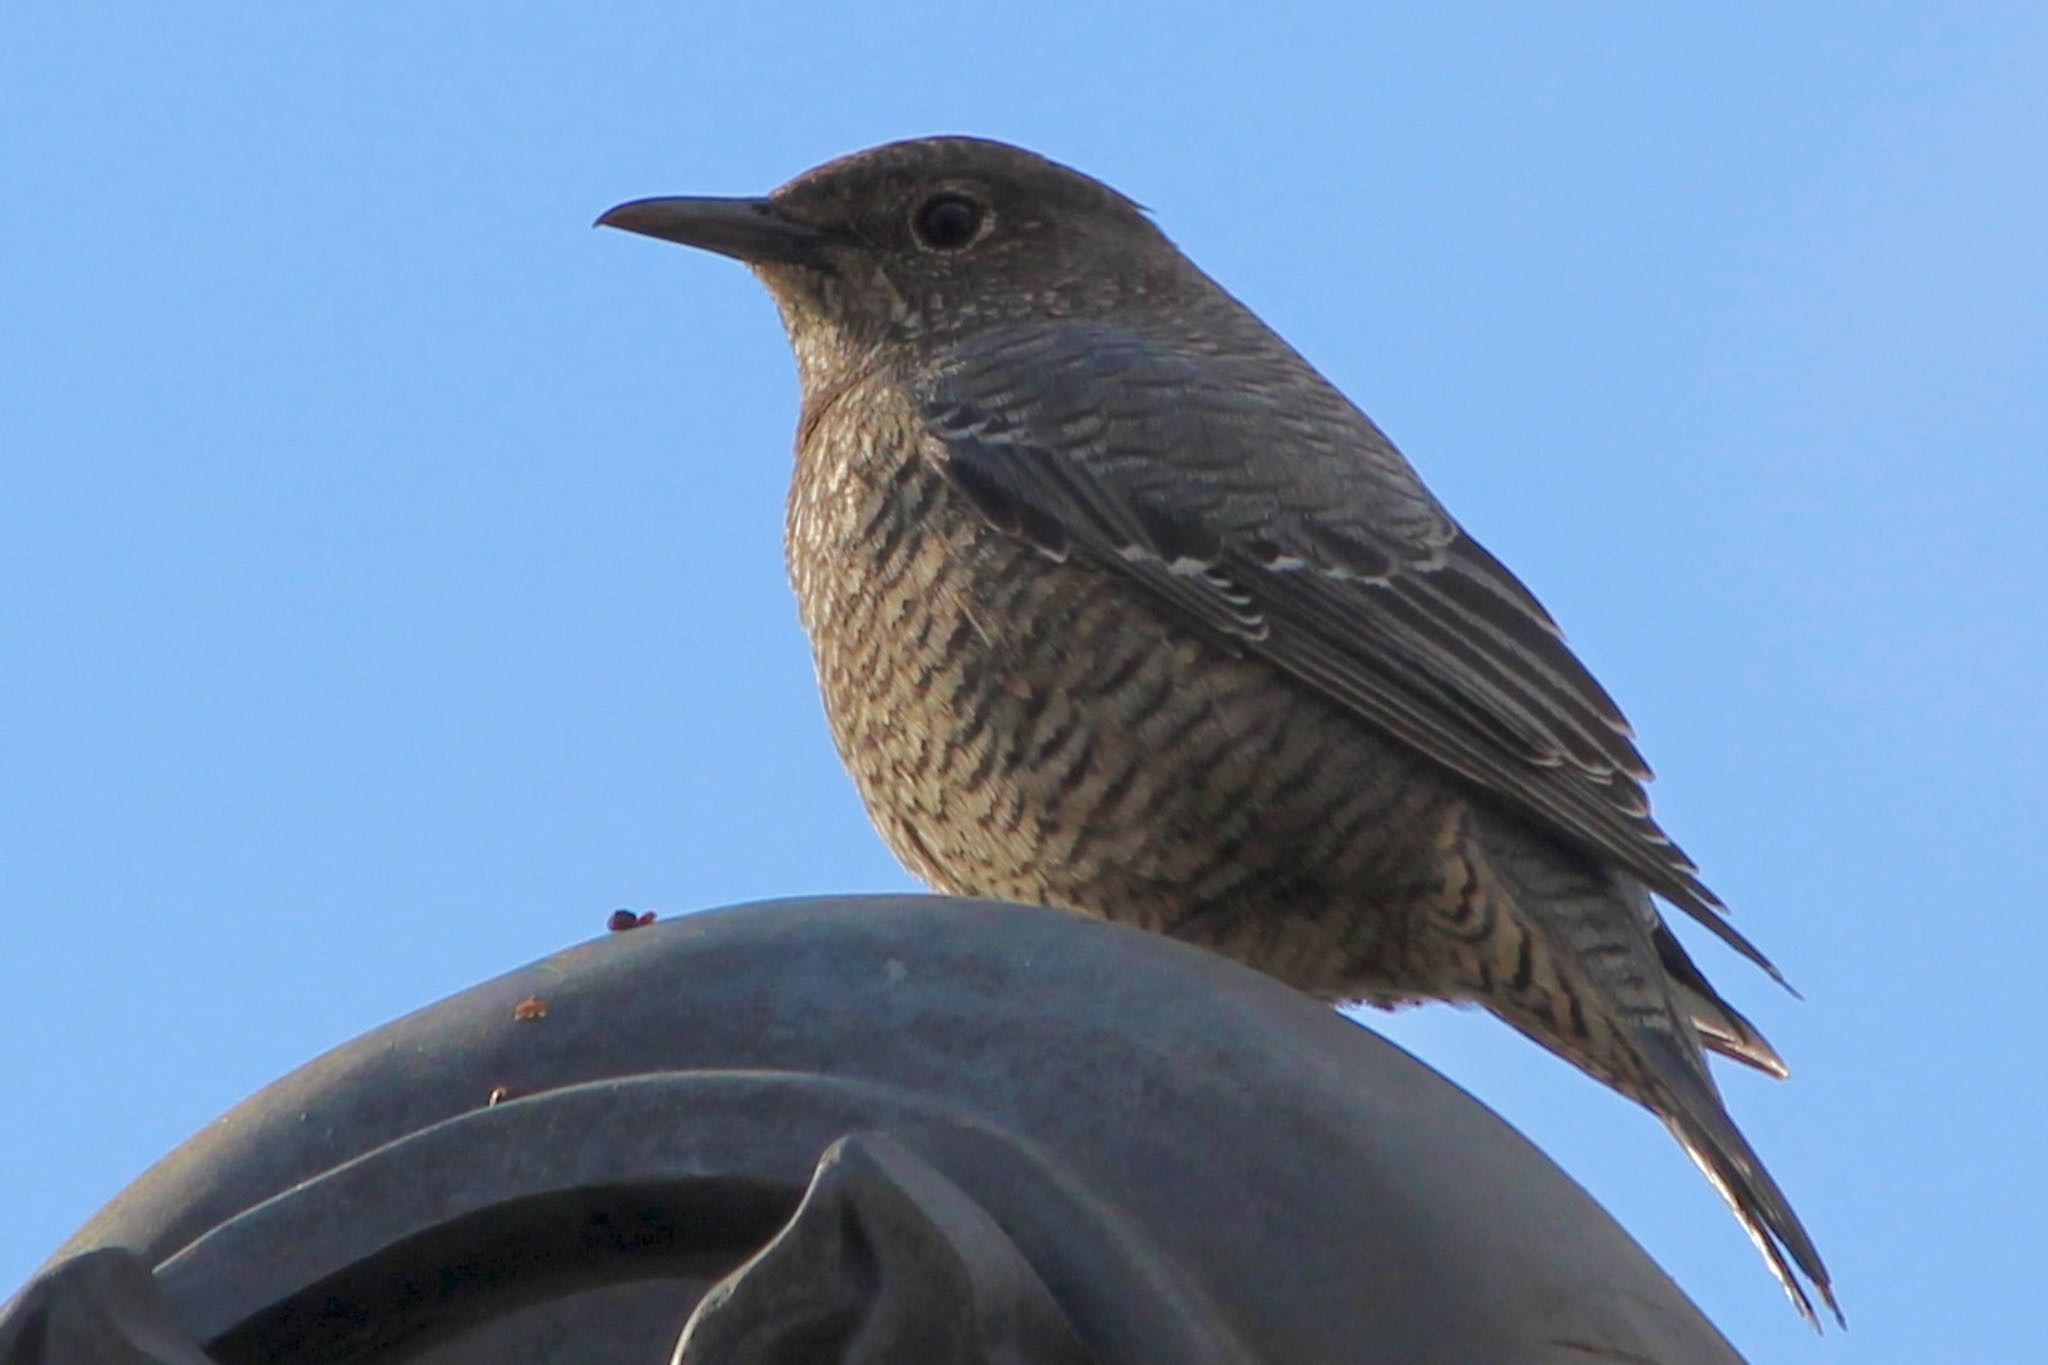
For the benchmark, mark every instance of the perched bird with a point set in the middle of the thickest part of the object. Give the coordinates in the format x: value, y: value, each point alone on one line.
x: 1118, y: 605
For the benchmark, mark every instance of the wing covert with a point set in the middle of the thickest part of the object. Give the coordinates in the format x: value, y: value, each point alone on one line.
x: 1281, y: 521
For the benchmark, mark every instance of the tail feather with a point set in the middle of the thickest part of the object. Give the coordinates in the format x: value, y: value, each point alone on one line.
x: 1692, y: 1111
x: 1720, y: 1025
x: 1723, y: 1030
x: 1578, y: 959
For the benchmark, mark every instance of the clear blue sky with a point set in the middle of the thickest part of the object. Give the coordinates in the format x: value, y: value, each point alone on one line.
x: 390, y: 579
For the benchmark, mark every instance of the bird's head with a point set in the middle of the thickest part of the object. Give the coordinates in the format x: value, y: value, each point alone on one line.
x: 923, y: 239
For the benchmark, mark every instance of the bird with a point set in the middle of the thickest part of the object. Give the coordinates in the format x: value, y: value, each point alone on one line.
x: 1118, y: 605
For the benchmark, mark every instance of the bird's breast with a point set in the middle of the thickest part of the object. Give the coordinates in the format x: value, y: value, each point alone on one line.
x: 1037, y: 730
x: 891, y: 571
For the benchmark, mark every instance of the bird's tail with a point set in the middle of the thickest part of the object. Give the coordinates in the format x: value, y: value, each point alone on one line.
x: 1692, y: 1110
x: 1650, y: 1067
x: 1577, y: 959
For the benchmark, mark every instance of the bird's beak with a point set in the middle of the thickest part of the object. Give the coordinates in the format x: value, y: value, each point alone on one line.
x: 751, y: 230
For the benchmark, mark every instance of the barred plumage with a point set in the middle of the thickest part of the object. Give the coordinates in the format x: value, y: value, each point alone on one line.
x: 1119, y: 606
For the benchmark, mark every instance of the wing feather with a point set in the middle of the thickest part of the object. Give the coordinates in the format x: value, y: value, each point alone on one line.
x: 1278, y: 519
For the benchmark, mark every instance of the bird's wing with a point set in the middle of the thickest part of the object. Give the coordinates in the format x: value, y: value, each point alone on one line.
x: 1273, y: 515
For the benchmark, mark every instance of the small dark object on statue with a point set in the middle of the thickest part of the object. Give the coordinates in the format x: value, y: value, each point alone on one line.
x: 860, y: 1130
x: 1118, y: 605
x: 622, y: 920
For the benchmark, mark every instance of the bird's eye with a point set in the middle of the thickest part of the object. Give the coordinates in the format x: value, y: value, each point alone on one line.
x: 947, y: 222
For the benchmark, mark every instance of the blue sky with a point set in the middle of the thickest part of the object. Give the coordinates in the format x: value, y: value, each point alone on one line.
x: 390, y: 578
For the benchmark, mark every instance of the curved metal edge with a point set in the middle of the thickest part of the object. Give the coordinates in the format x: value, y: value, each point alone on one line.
x: 98, y: 1308
x: 521, y: 1202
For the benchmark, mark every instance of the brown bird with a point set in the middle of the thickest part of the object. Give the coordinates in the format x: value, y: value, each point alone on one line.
x: 1118, y: 605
